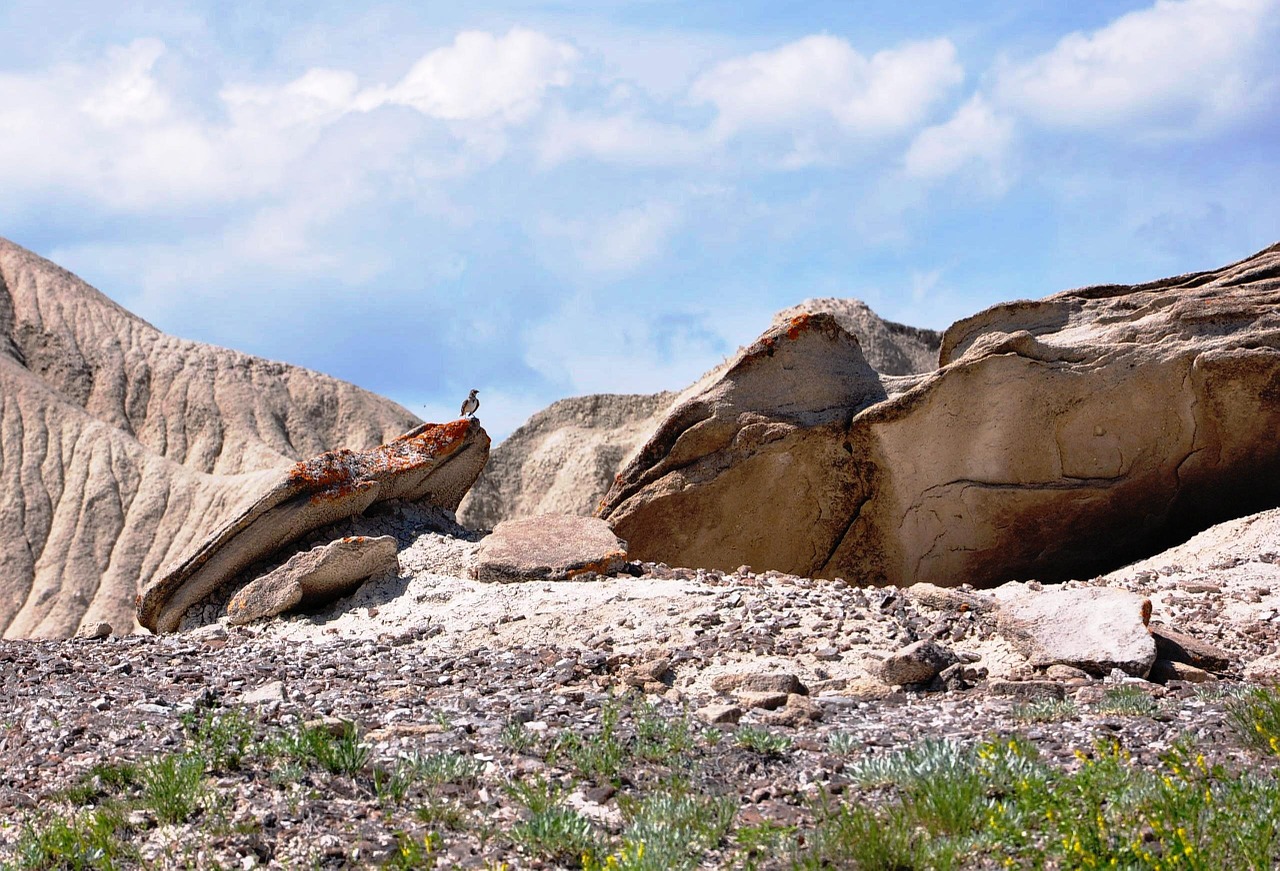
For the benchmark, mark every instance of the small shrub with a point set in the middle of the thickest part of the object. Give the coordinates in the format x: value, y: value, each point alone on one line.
x: 660, y: 738
x: 843, y: 743
x: 89, y: 840
x: 761, y: 741
x: 556, y: 834
x: 172, y: 786
x: 1255, y: 717
x: 338, y: 754
x: 1126, y: 701
x: 222, y: 738
x: 515, y: 737
x: 674, y: 827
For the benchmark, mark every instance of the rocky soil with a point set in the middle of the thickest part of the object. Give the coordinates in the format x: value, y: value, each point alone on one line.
x: 502, y: 679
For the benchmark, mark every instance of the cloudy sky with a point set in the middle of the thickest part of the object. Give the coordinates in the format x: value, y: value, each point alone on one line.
x: 542, y: 199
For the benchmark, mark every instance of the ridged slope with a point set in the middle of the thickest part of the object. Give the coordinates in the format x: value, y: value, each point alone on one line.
x: 120, y: 446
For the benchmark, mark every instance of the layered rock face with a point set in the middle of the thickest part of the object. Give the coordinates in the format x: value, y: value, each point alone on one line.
x: 1058, y: 438
x: 121, y: 446
x: 564, y: 458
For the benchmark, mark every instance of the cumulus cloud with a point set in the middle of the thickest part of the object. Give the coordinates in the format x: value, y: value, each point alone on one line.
x: 975, y: 136
x: 1177, y: 66
x: 824, y: 78
x: 482, y: 76
x: 619, y: 243
x: 625, y: 138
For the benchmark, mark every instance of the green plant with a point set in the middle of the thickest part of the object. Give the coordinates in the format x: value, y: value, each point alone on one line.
x: 414, y: 853
x: 1255, y: 716
x: 344, y: 753
x: 855, y: 836
x: 674, y: 826
x: 758, y: 843
x: 223, y: 738
x: 599, y: 756
x: 515, y: 737
x: 843, y: 743
x: 172, y: 786
x: 1045, y: 711
x: 660, y: 738
x: 81, y: 841
x: 1126, y: 701
x: 762, y: 741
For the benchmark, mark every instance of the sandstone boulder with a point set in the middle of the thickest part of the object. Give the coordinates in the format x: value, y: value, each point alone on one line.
x: 917, y: 663
x: 434, y: 463
x: 314, y: 577
x: 1092, y: 628
x: 551, y: 547
x: 563, y: 459
x: 120, y: 446
x: 1058, y: 439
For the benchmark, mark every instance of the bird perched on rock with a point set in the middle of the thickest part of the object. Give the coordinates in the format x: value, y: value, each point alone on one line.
x: 470, y: 404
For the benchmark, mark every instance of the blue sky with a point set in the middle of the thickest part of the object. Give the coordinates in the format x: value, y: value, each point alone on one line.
x: 543, y: 199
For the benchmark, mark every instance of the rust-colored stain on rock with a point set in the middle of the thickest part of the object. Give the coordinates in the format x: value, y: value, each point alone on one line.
x: 338, y: 473
x: 797, y: 325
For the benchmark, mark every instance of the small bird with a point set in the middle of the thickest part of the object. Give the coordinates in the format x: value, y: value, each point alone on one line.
x: 470, y: 404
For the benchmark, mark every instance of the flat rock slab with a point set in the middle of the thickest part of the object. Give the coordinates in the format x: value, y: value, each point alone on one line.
x: 314, y: 576
x: 1092, y: 628
x: 551, y: 547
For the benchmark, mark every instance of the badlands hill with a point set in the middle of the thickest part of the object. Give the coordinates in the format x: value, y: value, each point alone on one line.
x: 121, y: 446
x: 564, y: 458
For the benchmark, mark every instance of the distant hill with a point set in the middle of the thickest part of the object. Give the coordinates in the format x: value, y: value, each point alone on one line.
x: 120, y: 446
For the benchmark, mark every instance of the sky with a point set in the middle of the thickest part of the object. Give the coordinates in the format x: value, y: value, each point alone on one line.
x: 544, y: 199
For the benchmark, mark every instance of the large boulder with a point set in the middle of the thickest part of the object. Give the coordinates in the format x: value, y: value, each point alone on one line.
x: 552, y: 547
x: 1058, y: 438
x: 1091, y: 628
x: 564, y: 459
x: 121, y: 446
x: 433, y: 464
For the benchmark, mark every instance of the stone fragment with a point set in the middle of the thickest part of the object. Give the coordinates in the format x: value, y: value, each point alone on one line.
x: 766, y: 701
x: 1092, y: 628
x: 1180, y: 647
x: 433, y: 464
x: 1166, y: 670
x: 552, y: 547
x: 1058, y: 671
x: 758, y: 682
x: 949, y: 598
x: 917, y: 663
x: 1264, y: 669
x: 272, y: 691
x: 652, y: 672
x: 313, y: 577
x: 720, y: 714
x: 798, y: 710
x: 961, y: 675
x: 1027, y: 689
x: 96, y: 630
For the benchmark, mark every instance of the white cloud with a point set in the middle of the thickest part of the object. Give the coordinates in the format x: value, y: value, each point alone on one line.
x: 481, y: 76
x: 624, y: 138
x: 1177, y: 66
x: 822, y: 78
x: 975, y: 136
x: 619, y: 243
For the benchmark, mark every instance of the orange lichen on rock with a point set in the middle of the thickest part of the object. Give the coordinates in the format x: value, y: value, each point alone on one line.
x: 797, y: 325
x: 337, y: 473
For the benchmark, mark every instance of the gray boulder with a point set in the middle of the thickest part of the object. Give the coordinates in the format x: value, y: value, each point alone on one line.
x: 552, y: 547
x: 1091, y: 628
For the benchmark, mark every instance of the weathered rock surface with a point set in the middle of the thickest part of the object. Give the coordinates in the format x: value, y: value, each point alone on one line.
x: 434, y: 463
x: 563, y: 459
x: 1058, y: 438
x: 314, y: 576
x: 120, y: 446
x: 552, y: 547
x: 890, y: 348
x: 917, y: 663
x: 1091, y: 628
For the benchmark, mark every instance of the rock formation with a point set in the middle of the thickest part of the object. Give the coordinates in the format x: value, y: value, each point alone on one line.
x: 435, y: 463
x: 563, y: 459
x: 121, y: 446
x: 1058, y: 438
x: 890, y: 348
